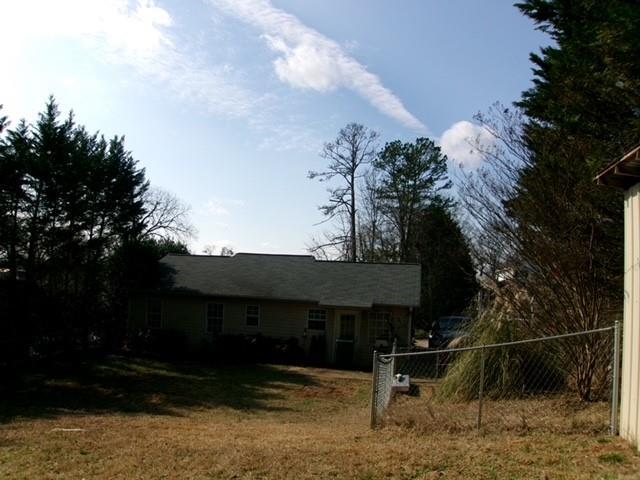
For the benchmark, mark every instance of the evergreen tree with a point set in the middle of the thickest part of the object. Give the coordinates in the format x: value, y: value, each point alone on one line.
x: 587, y: 84
x: 412, y: 175
x: 556, y: 237
x: 448, y: 273
x: 582, y: 112
x: 68, y: 201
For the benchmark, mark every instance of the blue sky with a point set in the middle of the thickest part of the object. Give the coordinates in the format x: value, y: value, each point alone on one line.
x: 226, y: 103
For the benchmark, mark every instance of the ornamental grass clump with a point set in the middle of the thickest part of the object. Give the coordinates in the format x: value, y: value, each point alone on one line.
x: 509, y: 371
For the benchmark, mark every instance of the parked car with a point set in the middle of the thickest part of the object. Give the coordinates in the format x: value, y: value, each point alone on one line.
x: 447, y: 329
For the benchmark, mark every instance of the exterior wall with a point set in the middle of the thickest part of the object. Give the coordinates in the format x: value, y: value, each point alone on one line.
x: 331, y: 335
x: 364, y: 350
x: 401, y: 320
x: 277, y: 319
x: 630, y: 372
x: 189, y: 315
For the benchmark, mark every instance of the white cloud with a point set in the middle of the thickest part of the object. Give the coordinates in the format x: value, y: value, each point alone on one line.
x: 140, y: 35
x: 459, y: 140
x: 136, y: 34
x: 130, y: 29
x: 309, y: 60
x: 216, y: 209
x: 220, y: 207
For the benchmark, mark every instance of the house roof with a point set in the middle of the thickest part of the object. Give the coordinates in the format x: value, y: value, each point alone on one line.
x: 623, y: 173
x: 295, y: 278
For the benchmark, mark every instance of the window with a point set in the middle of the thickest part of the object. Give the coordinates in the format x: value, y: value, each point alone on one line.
x: 154, y: 313
x: 215, y: 316
x: 380, y: 325
x: 317, y: 319
x: 253, y: 315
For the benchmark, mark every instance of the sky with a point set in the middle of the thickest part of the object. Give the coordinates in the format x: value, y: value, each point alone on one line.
x: 227, y: 103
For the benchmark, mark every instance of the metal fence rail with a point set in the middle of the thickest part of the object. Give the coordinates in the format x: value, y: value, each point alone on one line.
x: 564, y: 382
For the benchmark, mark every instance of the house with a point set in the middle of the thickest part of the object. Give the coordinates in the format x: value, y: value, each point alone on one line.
x: 350, y: 308
x: 625, y: 174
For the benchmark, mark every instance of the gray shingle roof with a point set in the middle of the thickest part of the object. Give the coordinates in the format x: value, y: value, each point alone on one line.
x: 295, y: 278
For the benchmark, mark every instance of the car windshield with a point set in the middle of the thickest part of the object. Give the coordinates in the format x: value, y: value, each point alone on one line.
x: 452, y: 323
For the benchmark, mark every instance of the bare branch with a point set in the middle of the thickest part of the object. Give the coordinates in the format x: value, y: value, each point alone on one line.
x: 166, y: 216
x: 354, y: 147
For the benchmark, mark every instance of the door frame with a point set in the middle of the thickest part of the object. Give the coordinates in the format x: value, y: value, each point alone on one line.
x: 336, y: 331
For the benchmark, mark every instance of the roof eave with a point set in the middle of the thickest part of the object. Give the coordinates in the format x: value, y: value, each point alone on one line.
x: 623, y: 173
x: 184, y: 292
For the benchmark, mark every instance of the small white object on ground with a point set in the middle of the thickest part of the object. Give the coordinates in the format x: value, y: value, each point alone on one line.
x: 401, y: 383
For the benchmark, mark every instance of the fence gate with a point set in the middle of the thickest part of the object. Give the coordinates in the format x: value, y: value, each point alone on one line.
x: 565, y: 383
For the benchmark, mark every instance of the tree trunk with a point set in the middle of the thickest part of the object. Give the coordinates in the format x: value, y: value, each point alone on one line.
x: 354, y: 256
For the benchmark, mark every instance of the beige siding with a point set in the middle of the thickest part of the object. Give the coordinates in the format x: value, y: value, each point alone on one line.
x: 188, y: 314
x: 630, y: 385
x: 364, y: 350
x: 277, y: 319
x: 331, y: 332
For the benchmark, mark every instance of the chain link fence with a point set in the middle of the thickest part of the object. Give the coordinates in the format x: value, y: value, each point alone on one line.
x: 565, y: 383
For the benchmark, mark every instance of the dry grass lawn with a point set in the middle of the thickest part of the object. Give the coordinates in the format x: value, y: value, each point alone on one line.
x: 131, y: 419
x: 551, y: 413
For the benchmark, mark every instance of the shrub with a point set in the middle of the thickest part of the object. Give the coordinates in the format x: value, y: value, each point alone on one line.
x: 509, y: 371
x: 253, y: 349
x: 165, y: 343
x: 317, y: 349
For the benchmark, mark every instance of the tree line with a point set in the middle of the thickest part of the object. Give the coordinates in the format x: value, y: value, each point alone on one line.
x: 389, y: 204
x: 80, y: 225
x: 547, y: 241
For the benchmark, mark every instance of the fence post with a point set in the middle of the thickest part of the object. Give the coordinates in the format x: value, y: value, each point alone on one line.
x: 615, y: 390
x: 393, y: 359
x: 437, y: 364
x: 374, y: 390
x: 481, y: 387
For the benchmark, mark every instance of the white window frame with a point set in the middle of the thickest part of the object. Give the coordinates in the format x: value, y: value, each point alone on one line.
x: 214, y: 318
x: 375, y: 320
x: 150, y: 313
x: 315, y: 311
x: 256, y: 316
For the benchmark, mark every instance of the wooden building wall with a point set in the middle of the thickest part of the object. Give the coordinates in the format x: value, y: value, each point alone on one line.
x: 630, y: 372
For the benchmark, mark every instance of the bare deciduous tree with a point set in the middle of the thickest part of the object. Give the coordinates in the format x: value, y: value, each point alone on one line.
x: 354, y: 147
x: 332, y: 244
x: 224, y: 251
x: 209, y: 250
x: 376, y: 239
x: 166, y: 216
x: 540, y: 244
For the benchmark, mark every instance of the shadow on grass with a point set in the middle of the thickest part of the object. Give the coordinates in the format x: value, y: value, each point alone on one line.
x: 133, y: 386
